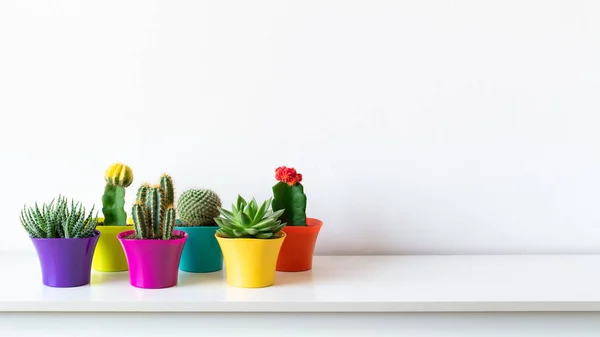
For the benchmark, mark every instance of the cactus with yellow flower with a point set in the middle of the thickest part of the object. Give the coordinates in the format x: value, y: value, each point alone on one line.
x: 118, y: 176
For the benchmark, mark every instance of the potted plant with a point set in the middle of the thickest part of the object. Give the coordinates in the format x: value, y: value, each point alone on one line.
x: 153, y: 249
x: 109, y: 256
x: 64, y: 239
x: 250, y: 238
x: 301, y: 232
x: 197, y: 209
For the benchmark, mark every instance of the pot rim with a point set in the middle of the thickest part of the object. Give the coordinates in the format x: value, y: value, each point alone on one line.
x: 281, y: 237
x: 183, y: 228
x: 125, y: 233
x: 128, y: 222
x: 318, y: 224
x: 96, y: 234
x: 102, y: 226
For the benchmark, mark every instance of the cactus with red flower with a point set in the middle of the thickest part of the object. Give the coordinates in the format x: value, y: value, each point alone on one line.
x: 288, y: 195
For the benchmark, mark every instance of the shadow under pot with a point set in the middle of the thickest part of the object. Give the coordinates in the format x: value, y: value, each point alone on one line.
x: 299, y: 246
x: 201, y: 252
x: 66, y: 262
x: 153, y: 264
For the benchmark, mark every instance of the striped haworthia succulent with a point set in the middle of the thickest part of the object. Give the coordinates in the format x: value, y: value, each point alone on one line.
x: 58, y: 219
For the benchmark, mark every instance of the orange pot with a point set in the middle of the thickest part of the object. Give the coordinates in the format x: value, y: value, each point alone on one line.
x: 297, y: 250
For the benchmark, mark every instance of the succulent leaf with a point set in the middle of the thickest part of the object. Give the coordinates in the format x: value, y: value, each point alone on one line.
x: 227, y: 214
x: 262, y: 210
x: 266, y: 223
x: 264, y: 235
x: 227, y: 224
x: 241, y: 203
x: 252, y: 209
x: 251, y: 231
x: 246, y: 219
x: 226, y: 233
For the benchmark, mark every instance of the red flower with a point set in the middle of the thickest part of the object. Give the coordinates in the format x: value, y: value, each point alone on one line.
x: 288, y: 175
x: 279, y: 172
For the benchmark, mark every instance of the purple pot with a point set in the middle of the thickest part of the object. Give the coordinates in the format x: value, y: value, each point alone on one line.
x: 153, y: 264
x: 66, y: 262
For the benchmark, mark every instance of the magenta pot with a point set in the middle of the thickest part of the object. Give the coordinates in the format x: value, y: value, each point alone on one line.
x: 153, y: 264
x: 66, y: 262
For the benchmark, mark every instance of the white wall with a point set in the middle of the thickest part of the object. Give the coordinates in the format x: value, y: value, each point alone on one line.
x: 419, y: 126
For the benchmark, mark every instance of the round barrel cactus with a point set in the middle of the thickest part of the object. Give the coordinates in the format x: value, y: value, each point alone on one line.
x: 119, y: 175
x: 198, y: 207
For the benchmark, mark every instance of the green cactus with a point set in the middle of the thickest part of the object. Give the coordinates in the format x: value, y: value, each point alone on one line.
x: 118, y: 177
x: 142, y: 192
x: 166, y: 185
x: 198, y: 207
x: 153, y: 212
x: 248, y: 220
x: 288, y: 195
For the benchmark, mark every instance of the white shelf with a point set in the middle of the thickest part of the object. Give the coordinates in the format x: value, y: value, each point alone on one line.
x: 336, y: 284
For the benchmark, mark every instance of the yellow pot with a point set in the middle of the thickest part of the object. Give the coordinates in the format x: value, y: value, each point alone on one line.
x: 250, y: 263
x: 109, y: 255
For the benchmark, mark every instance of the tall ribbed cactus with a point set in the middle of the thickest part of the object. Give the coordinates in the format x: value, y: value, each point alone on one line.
x: 288, y: 195
x: 154, y: 211
x: 118, y: 176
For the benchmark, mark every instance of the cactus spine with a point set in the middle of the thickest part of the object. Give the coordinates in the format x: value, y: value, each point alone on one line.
x: 142, y: 192
x: 154, y: 212
x: 198, y: 207
x: 118, y: 177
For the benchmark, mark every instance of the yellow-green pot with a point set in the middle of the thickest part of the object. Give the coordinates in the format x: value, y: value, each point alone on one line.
x: 250, y: 263
x: 109, y: 255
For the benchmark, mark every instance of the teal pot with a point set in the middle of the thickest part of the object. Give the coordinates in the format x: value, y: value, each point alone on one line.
x: 201, y: 253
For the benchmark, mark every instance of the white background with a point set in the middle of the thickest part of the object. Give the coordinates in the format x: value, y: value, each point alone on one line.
x: 419, y: 126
